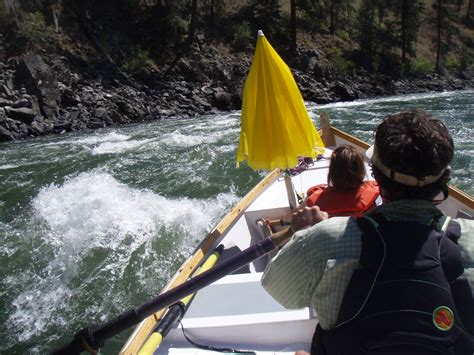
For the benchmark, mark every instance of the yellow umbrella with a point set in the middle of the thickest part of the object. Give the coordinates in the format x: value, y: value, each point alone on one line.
x: 276, y: 128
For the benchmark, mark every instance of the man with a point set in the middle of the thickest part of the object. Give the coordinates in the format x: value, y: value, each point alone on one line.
x: 399, y: 280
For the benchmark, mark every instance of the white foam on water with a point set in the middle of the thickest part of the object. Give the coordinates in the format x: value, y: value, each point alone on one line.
x: 100, y: 138
x: 6, y: 251
x: 96, y: 204
x: 181, y: 140
x: 9, y: 166
x: 118, y: 147
x: 35, y: 309
x: 221, y: 121
x: 95, y: 211
x: 90, y: 140
x: 402, y: 98
x: 226, y: 120
x: 205, y: 131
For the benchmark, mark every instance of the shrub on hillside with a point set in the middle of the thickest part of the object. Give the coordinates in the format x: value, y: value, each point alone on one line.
x: 32, y: 34
x: 178, y: 25
x: 139, y: 63
x: 421, y: 66
x: 34, y: 28
x: 242, y: 38
x: 451, y: 62
x: 344, y: 35
x: 337, y: 61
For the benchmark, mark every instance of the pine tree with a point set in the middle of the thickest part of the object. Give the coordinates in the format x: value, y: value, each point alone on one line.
x: 267, y: 14
x: 314, y: 11
x: 367, y: 27
x: 293, y: 40
x: 193, y: 23
x: 216, y: 8
x: 409, y: 13
x: 444, y: 30
x: 336, y: 10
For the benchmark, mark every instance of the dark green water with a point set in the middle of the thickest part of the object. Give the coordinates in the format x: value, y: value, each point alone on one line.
x: 94, y: 223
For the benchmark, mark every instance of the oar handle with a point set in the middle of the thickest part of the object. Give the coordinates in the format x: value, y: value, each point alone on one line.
x: 281, y: 237
x: 94, y: 336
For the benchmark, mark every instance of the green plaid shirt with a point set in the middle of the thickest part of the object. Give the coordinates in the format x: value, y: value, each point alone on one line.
x: 315, y: 266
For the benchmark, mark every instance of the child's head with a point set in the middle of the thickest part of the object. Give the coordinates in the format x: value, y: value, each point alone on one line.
x: 346, y: 168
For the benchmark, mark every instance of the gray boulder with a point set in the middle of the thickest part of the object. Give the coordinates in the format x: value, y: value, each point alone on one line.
x: 22, y: 114
x: 36, y: 77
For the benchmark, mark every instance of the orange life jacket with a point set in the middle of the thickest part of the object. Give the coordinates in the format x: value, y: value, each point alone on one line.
x: 352, y: 203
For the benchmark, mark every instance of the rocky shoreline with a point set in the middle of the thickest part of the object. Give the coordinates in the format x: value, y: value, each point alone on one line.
x: 42, y: 94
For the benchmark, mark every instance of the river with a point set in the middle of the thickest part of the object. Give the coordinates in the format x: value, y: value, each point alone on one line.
x: 92, y: 223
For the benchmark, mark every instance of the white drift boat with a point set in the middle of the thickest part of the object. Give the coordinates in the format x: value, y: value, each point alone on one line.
x: 235, y: 312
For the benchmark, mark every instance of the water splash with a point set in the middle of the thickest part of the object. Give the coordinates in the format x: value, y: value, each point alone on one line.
x: 93, y: 226
x: 115, y: 147
x: 100, y: 138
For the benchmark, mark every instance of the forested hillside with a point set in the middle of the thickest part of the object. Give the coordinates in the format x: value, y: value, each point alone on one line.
x: 389, y: 36
x: 186, y: 57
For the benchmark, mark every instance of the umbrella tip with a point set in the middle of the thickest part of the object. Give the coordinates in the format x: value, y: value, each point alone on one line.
x: 260, y: 33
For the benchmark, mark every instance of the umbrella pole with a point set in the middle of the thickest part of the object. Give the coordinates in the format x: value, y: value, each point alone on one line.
x: 290, y: 191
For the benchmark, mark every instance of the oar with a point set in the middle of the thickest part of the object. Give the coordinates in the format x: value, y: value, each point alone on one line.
x: 93, y: 337
x: 176, y: 312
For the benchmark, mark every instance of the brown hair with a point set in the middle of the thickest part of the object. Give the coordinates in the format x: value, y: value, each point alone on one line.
x: 346, y: 168
x: 416, y: 144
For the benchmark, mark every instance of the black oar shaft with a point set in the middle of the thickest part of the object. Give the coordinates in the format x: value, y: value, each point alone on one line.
x: 177, y: 310
x: 206, y: 278
x: 94, y: 336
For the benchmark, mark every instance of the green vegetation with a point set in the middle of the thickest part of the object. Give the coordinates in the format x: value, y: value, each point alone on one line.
x: 421, y: 67
x: 344, y: 35
x: 452, y: 62
x: 35, y: 33
x: 338, y: 62
x: 394, y: 37
x: 139, y: 63
x: 242, y: 38
x: 31, y: 33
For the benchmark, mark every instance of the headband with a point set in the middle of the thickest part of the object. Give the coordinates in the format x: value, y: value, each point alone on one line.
x: 403, y: 179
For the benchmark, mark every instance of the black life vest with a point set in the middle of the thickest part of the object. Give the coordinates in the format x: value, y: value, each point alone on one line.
x: 406, y: 297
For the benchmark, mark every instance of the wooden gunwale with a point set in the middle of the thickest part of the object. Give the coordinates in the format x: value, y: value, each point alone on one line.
x: 144, y: 329
x: 351, y: 139
x: 461, y: 196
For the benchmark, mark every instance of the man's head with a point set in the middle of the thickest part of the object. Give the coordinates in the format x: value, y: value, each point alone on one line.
x: 411, y: 156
